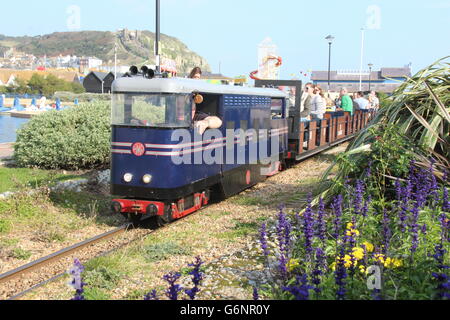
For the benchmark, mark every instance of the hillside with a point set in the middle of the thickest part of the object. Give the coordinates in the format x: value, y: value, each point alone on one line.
x: 134, y: 47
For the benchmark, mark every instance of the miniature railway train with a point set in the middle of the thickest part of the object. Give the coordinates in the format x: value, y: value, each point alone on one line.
x: 155, y: 175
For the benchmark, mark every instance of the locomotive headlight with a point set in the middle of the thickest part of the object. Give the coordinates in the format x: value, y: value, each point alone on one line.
x: 127, y: 177
x: 147, y: 179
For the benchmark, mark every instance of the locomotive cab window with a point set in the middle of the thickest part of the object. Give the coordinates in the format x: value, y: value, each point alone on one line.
x: 277, y: 108
x: 152, y: 110
x: 210, y: 105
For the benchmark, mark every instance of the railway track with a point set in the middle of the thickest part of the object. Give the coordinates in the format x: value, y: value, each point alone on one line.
x: 53, y: 258
x: 21, y: 272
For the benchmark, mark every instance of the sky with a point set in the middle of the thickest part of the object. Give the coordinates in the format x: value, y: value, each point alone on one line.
x: 227, y: 32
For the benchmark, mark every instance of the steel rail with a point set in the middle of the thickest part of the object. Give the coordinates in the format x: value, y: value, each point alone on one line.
x: 10, y: 275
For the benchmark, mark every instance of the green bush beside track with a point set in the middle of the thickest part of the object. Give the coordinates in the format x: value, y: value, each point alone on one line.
x: 72, y: 139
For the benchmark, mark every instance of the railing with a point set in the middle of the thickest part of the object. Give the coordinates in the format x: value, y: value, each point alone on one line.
x: 334, y: 128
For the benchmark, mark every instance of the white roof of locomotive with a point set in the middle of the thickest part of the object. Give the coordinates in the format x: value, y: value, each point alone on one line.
x: 181, y: 85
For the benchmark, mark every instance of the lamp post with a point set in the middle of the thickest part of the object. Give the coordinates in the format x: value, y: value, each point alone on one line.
x: 330, y: 39
x: 370, y: 75
x: 157, y: 36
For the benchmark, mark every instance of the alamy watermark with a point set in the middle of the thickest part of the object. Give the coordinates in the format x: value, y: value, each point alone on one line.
x: 374, y: 278
x: 73, y: 21
x: 373, y: 21
x: 237, y: 147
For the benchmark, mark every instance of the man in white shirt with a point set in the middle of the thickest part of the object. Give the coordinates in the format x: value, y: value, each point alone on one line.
x: 363, y: 103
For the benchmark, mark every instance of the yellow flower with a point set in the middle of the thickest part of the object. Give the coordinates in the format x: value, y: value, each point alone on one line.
x: 292, y: 264
x: 398, y: 263
x: 358, y: 253
x: 333, y: 266
x: 363, y: 269
x: 369, y: 246
x: 379, y: 257
x: 352, y: 232
x: 393, y: 263
x: 348, y: 261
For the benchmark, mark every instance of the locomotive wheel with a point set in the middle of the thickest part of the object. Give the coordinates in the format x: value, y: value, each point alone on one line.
x: 166, y: 218
x: 135, y: 219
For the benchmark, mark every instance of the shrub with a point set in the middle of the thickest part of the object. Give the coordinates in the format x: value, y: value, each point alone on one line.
x: 76, y: 138
x: 82, y: 97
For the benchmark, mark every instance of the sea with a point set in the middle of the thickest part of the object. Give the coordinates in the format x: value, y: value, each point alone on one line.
x: 9, y: 126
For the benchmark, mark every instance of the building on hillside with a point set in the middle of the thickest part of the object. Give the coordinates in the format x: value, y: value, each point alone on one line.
x: 89, y: 63
x: 99, y: 82
x: 386, y: 80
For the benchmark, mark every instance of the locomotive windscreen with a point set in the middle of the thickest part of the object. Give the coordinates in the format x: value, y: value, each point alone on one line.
x: 152, y: 110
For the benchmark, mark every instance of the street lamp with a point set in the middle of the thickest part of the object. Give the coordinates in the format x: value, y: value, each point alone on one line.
x: 330, y: 39
x: 370, y: 75
x: 157, y: 37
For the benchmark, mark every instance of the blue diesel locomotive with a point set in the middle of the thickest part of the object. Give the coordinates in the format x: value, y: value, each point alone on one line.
x: 163, y: 168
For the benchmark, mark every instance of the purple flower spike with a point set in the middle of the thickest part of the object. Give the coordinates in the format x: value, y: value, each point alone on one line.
x: 197, y: 277
x: 255, y: 294
x: 300, y: 290
x: 174, y: 289
x: 151, y: 296
x: 365, y: 209
x: 321, y: 223
x: 340, y: 276
x: 445, y: 201
x: 318, y: 267
x: 443, y: 287
x: 386, y: 231
x: 308, y: 228
x: 359, y: 193
x: 414, y: 227
x: 336, y: 206
x: 263, y: 240
x: 284, y: 240
x: 77, y: 281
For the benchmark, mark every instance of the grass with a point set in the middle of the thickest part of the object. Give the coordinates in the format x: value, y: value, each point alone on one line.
x: 8, y: 242
x: 163, y: 250
x: 5, y: 226
x: 13, y: 179
x: 88, y: 205
x: 240, y: 230
x: 51, y: 217
x: 21, y: 254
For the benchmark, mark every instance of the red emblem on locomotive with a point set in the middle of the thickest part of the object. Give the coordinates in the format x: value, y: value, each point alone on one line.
x: 138, y: 149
